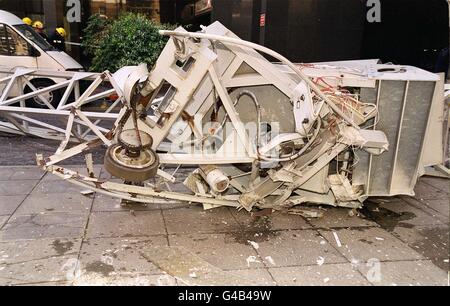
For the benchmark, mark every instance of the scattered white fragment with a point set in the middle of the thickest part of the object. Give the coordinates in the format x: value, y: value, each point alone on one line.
x: 320, y: 261
x: 225, y: 222
x: 354, y: 263
x: 326, y: 279
x: 338, y: 242
x: 379, y: 238
x: 253, y: 244
x: 2, y: 268
x: 192, y: 275
x: 446, y: 260
x: 86, y: 192
x: 251, y: 259
x: 107, y: 260
x: 323, y: 242
x: 270, y: 260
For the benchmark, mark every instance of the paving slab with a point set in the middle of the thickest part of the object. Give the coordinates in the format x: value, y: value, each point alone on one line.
x: 297, y: 248
x: 273, y: 221
x: 6, y: 172
x: 20, y: 173
x: 261, y: 277
x: 325, y: 275
x: 363, y: 244
x: 52, y: 269
x: 44, y: 225
x: 440, y: 205
x: 37, y: 203
x: 27, y: 173
x: 190, y: 269
x: 437, y: 182
x: 411, y: 214
x: 3, y: 220
x: 9, y: 204
x: 58, y: 186
x: 117, y: 257
x: 436, y: 207
x: 37, y: 261
x: 41, y: 240
x: 22, y: 187
x: 94, y: 279
x: 221, y: 250
x: 37, y: 249
x: 406, y: 273
x: 125, y: 224
x: 430, y: 241
x: 340, y: 217
x: 399, y: 213
x: 426, y: 191
x: 194, y: 219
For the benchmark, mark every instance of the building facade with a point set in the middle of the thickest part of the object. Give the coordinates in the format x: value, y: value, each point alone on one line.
x: 113, y: 8
x: 414, y: 32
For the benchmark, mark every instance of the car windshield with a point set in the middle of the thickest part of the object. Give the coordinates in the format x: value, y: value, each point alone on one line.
x: 31, y: 34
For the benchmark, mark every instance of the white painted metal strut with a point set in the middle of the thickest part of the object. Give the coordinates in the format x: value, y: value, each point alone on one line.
x: 39, y: 121
x: 237, y: 41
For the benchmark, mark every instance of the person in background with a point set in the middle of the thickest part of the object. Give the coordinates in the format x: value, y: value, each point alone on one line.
x: 57, y: 39
x: 39, y: 28
x: 27, y: 21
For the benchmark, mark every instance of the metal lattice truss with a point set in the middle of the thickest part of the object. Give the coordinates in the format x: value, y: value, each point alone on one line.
x: 247, y: 132
x: 28, y: 113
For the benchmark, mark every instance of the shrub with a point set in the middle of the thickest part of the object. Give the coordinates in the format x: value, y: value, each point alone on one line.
x: 129, y: 40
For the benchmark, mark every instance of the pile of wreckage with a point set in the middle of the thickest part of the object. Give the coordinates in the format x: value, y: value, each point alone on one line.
x: 248, y: 132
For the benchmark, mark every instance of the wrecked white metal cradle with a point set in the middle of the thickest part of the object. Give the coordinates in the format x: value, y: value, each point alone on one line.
x: 260, y: 134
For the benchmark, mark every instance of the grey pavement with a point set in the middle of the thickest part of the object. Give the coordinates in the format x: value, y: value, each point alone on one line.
x: 50, y: 234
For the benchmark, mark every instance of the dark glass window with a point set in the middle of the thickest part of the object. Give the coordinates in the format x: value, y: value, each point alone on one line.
x: 11, y: 43
x: 4, y: 47
x: 31, y: 34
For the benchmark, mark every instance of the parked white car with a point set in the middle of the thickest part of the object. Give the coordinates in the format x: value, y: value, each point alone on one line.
x: 21, y: 46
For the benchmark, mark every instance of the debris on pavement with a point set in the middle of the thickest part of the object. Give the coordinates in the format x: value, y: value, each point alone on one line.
x: 253, y: 244
x: 251, y: 259
x: 320, y: 261
x: 338, y: 242
x: 305, y: 212
x: 86, y: 192
x: 190, y: 269
x: 270, y: 260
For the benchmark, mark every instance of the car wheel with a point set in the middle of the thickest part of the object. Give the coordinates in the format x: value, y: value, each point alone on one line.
x: 52, y: 97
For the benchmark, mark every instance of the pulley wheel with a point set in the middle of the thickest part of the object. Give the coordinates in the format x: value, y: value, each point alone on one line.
x: 134, y: 169
x: 129, y: 139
